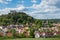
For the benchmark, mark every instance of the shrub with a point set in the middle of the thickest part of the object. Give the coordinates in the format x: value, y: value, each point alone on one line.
x: 21, y: 35
x: 32, y: 33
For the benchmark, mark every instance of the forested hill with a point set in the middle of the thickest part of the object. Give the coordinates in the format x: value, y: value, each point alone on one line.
x: 22, y: 18
x: 52, y: 20
x: 15, y: 18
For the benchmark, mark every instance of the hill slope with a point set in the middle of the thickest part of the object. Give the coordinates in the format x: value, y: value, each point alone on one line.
x: 15, y: 18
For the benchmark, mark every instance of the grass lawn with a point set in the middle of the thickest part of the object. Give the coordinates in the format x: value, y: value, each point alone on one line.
x: 34, y: 39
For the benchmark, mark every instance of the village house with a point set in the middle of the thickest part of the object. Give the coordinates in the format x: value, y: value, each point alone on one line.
x: 9, y: 34
x: 57, y: 26
x: 1, y: 33
x: 37, y: 34
x: 1, y: 27
x: 20, y: 30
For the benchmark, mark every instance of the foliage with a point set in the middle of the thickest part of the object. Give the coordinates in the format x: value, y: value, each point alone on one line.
x: 32, y: 33
x: 15, y: 18
x: 21, y: 35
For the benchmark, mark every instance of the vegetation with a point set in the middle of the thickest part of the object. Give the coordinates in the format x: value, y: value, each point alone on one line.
x: 18, y: 18
x: 36, y: 39
x: 15, y: 18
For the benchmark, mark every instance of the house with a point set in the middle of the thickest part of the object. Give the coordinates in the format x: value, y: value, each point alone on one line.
x: 43, y: 34
x: 12, y: 26
x: 20, y: 26
x: 20, y: 30
x: 37, y: 35
x: 5, y: 29
x: 16, y: 26
x: 9, y: 34
x: 1, y: 27
x: 1, y: 33
x: 49, y: 34
x: 58, y: 33
x: 26, y: 28
x: 55, y: 29
x: 27, y: 33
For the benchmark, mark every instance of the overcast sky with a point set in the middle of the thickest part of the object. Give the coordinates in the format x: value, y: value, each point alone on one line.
x: 40, y: 9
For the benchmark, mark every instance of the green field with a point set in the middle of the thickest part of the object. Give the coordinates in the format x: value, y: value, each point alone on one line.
x: 35, y: 39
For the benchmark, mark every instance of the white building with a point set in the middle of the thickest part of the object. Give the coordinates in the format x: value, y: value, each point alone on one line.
x: 1, y: 27
x: 37, y: 35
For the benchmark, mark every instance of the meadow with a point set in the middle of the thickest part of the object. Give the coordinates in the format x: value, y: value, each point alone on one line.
x: 34, y: 39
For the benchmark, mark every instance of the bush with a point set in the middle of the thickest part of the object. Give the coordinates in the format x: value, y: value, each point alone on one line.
x: 32, y: 33
x: 21, y: 35
x: 57, y: 36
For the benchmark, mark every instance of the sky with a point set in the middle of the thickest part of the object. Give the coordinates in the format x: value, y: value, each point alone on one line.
x: 39, y: 9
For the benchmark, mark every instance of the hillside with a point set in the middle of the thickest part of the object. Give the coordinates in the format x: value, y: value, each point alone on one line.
x: 15, y: 18
x: 22, y: 18
x: 52, y: 20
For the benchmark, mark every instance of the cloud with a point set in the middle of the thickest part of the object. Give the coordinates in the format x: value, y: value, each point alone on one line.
x: 46, y: 9
x: 33, y: 1
x: 8, y: 0
x: 45, y: 5
x: 1, y: 1
x: 5, y: 1
x: 7, y: 10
